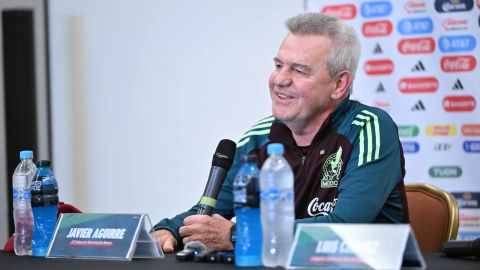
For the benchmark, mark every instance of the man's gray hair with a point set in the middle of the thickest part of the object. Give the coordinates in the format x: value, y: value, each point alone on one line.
x: 345, y: 50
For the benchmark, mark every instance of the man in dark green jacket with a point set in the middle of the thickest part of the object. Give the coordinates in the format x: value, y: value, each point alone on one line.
x: 346, y: 157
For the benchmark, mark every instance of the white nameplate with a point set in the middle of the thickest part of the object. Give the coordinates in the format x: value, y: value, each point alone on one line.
x: 355, y: 246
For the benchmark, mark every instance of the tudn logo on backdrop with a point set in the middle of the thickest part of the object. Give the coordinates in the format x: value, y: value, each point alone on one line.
x: 471, y: 130
x: 441, y: 130
x: 376, y: 9
x: 471, y: 146
x: 410, y: 147
x: 460, y: 43
x: 416, y: 45
x: 453, y: 5
x: 418, y: 85
x: 344, y: 12
x: 378, y: 67
x: 459, y: 103
x: 415, y: 26
x: 415, y: 6
x: 377, y: 28
x: 445, y: 171
x: 408, y: 131
x: 458, y: 63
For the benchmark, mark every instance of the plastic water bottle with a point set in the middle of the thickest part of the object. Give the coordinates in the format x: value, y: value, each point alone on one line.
x: 246, y: 191
x: 277, y: 207
x: 44, y: 191
x: 22, y: 210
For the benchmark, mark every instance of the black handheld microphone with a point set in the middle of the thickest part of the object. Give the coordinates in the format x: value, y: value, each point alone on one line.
x: 456, y: 248
x: 221, y: 163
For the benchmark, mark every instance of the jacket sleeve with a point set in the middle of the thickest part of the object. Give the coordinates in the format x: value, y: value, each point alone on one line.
x: 371, y: 174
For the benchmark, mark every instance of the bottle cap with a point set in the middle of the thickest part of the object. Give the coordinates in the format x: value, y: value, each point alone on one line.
x: 275, y: 148
x: 43, y: 163
x: 26, y: 154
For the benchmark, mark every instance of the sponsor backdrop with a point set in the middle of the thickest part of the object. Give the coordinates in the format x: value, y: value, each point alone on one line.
x: 420, y: 63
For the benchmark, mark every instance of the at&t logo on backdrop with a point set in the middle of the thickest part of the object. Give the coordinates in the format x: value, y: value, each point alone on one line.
x: 415, y: 26
x: 457, y: 43
x: 376, y: 9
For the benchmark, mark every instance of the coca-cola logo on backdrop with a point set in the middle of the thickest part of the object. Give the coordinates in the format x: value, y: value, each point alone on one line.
x: 377, y: 28
x: 416, y: 45
x: 458, y: 63
x: 344, y: 12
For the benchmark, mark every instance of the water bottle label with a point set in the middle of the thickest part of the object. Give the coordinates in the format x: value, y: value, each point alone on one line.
x: 21, y: 195
x: 240, y: 195
x: 272, y: 194
x: 36, y: 186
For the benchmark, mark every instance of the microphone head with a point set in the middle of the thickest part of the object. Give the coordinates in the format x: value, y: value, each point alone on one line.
x: 224, y: 154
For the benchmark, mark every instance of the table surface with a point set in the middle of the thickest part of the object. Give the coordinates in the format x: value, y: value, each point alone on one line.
x: 10, y: 261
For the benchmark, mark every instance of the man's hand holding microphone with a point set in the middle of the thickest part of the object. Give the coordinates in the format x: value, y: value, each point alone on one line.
x: 212, y: 231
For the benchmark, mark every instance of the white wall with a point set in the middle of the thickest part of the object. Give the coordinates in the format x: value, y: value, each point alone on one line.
x: 142, y: 91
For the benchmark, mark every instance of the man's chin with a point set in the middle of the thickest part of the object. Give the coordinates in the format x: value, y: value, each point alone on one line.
x: 282, y: 117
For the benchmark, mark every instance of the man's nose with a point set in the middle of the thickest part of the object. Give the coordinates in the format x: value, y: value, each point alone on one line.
x: 283, y: 77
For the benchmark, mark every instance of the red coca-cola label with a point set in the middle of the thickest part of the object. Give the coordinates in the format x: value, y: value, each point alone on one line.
x: 378, y: 67
x: 459, y: 103
x: 416, y: 45
x: 458, y: 63
x: 418, y: 85
x: 344, y: 12
x: 377, y: 28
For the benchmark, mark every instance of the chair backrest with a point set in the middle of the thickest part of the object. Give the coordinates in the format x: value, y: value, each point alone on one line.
x: 433, y: 215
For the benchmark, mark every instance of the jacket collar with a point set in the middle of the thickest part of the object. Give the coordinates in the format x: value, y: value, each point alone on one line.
x: 280, y: 133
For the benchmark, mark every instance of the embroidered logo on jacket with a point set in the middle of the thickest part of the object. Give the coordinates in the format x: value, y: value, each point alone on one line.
x: 331, y: 170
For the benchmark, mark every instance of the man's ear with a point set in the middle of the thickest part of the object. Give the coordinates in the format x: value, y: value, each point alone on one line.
x: 342, y: 82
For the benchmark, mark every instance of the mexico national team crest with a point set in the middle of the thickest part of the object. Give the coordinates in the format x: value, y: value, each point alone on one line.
x: 331, y: 170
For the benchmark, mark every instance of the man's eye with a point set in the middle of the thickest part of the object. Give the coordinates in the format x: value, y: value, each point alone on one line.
x: 278, y: 65
x: 299, y: 70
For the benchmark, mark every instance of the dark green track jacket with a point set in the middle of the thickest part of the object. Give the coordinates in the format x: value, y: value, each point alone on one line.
x: 351, y: 173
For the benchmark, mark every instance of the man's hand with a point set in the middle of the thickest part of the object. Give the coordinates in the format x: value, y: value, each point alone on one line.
x: 167, y: 240
x: 213, y: 231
